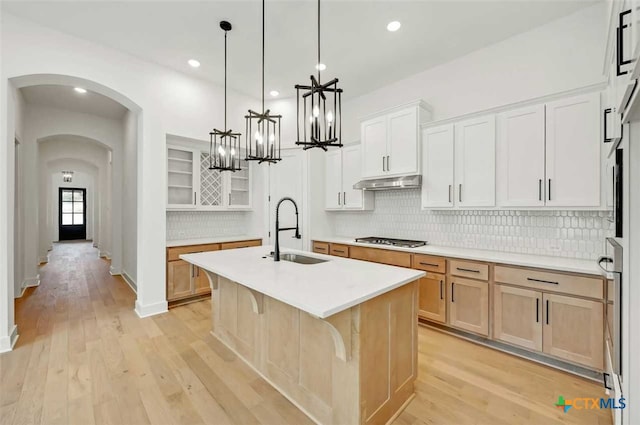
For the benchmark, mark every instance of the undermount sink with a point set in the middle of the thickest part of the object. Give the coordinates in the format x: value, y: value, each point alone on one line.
x: 301, y: 259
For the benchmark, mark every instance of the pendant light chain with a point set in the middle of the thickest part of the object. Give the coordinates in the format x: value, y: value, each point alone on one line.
x: 225, y: 81
x: 263, y: 32
x: 318, y: 64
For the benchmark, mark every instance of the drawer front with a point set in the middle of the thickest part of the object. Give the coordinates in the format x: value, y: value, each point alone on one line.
x: 429, y: 263
x: 339, y: 250
x: 582, y: 286
x: 470, y: 269
x: 383, y: 256
x: 321, y: 247
x: 241, y: 244
x: 174, y: 253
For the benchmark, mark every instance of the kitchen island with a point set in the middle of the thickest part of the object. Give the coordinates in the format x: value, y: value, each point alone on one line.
x: 338, y: 338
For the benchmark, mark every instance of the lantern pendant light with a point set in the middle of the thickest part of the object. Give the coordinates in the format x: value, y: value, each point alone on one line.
x: 319, y: 109
x: 224, y: 146
x: 262, y: 130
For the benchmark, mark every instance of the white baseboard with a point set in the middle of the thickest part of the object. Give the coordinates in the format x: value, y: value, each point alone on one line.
x: 43, y: 259
x: 105, y: 254
x: 114, y: 272
x: 130, y: 281
x: 151, y: 309
x: 8, y: 342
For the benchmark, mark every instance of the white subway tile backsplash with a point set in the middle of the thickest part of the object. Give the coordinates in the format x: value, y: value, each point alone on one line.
x: 573, y: 234
x: 206, y: 224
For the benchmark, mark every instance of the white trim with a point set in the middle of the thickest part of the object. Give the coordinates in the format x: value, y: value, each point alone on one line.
x: 151, y: 309
x: 414, y: 103
x: 105, y: 254
x: 8, y: 342
x: 527, y: 102
x: 114, y: 272
x: 130, y: 281
x: 33, y: 281
x: 43, y: 260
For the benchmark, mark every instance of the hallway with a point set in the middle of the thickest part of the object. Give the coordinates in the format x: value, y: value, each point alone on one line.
x: 84, y: 357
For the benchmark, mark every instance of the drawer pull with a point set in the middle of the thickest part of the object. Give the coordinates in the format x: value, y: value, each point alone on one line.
x: 429, y: 264
x: 605, y: 381
x: 452, y: 297
x: 537, y: 310
x: 467, y: 270
x: 339, y: 250
x: 441, y: 295
x: 547, y: 312
x: 542, y: 281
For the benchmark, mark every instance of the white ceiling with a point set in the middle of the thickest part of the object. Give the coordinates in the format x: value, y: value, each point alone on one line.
x: 356, y: 46
x: 65, y: 97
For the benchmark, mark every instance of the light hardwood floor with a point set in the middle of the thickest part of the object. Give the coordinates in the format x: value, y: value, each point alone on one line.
x: 84, y: 357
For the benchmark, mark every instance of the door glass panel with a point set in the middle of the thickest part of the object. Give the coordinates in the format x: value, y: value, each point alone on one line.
x: 67, y: 219
x: 78, y: 219
x: 67, y: 207
x: 77, y: 195
x: 78, y: 207
x: 67, y: 195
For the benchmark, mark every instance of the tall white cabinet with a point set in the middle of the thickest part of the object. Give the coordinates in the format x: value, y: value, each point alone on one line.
x: 437, y: 167
x: 390, y: 141
x: 343, y: 170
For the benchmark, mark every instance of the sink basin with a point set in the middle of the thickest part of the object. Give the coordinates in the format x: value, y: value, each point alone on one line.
x: 301, y: 259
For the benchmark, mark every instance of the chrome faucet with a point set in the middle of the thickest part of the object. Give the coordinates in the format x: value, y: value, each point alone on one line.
x: 276, y: 253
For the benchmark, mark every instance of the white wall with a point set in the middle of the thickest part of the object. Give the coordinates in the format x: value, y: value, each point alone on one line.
x: 18, y: 260
x: 81, y: 180
x: 129, y: 197
x: 167, y: 102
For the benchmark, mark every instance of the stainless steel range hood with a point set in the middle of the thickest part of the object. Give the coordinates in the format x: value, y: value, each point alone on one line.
x: 388, y: 183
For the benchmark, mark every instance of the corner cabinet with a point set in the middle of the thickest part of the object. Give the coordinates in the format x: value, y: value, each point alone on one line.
x: 342, y: 171
x: 191, y: 185
x: 390, y: 141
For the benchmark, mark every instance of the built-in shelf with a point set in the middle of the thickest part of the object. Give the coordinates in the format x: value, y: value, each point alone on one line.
x: 239, y: 177
x: 180, y: 172
x: 177, y: 186
x: 180, y: 159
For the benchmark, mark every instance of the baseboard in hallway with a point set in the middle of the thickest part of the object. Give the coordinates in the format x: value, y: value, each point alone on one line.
x: 8, y: 342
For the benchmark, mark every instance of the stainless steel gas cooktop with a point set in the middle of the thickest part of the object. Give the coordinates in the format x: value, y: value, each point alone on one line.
x: 403, y: 243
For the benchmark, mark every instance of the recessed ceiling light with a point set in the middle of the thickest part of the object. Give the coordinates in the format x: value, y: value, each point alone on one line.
x: 80, y: 90
x: 393, y: 26
x: 321, y: 67
x: 194, y: 63
x: 274, y: 93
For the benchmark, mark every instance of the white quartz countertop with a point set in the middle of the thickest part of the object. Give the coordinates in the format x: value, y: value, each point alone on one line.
x: 526, y: 260
x: 320, y: 289
x: 200, y: 241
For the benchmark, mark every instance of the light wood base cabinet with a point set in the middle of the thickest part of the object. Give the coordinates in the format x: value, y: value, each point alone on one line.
x: 469, y: 305
x: 574, y: 329
x: 517, y: 316
x: 355, y: 367
x: 432, y: 301
x: 178, y: 280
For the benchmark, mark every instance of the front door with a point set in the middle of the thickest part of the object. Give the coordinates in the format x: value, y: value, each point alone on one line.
x: 72, y: 212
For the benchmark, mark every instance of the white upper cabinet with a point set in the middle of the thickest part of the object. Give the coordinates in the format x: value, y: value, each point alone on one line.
x: 333, y: 180
x: 437, y: 167
x: 402, y: 142
x: 521, y: 156
x: 374, y: 146
x: 573, y: 152
x: 475, y: 162
x: 182, y: 177
x: 390, y: 141
x: 342, y: 171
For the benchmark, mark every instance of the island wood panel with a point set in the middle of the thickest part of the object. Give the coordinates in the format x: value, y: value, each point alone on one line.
x: 299, y: 353
x: 383, y: 256
x: 543, y: 280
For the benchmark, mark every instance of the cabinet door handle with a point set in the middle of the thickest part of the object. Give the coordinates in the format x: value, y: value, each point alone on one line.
x: 605, y: 381
x: 452, y: 297
x: 388, y: 162
x: 441, y: 291
x: 341, y: 251
x: 383, y: 168
x: 344, y: 198
x: 428, y: 264
x: 467, y: 270
x: 195, y: 197
x: 450, y: 187
x: 193, y: 271
x: 338, y: 198
x: 547, y: 315
x: 537, y: 310
x: 460, y: 192
x: 540, y: 190
x: 549, y: 189
x: 604, y: 123
x: 530, y: 279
